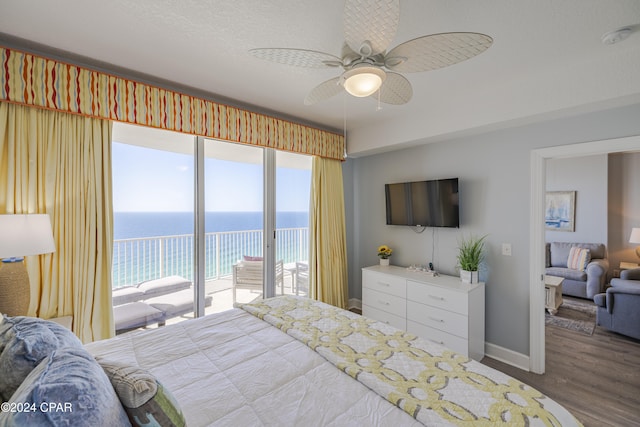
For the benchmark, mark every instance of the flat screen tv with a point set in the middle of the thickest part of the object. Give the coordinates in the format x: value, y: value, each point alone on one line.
x: 432, y: 203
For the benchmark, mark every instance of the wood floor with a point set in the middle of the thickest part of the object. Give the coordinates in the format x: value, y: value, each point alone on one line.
x: 595, y: 377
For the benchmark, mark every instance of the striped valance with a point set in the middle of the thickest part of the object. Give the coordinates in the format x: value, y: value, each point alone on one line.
x: 40, y: 82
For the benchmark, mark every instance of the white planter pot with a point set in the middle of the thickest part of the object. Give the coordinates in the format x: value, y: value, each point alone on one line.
x: 384, y: 261
x: 469, y: 276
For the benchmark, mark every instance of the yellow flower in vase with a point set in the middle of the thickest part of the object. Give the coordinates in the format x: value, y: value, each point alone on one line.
x: 384, y: 251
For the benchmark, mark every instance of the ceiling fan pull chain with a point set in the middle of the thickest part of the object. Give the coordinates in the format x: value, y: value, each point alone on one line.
x: 379, y: 104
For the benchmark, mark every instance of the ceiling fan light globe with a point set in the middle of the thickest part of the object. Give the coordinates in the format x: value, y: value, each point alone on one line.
x: 363, y: 81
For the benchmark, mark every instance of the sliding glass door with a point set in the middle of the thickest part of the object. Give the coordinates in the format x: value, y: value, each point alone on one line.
x: 153, y: 199
x: 293, y: 187
x: 204, y: 224
x: 233, y: 223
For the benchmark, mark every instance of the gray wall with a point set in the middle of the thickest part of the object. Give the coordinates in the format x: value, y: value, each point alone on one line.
x: 624, y: 206
x: 494, y: 172
x: 588, y: 177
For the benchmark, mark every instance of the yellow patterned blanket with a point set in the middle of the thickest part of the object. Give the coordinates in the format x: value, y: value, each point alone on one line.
x: 436, y: 386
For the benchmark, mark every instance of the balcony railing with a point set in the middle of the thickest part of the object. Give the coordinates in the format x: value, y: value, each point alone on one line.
x: 140, y: 259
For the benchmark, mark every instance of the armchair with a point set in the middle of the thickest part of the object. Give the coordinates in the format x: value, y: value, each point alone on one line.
x: 619, y: 308
x: 302, y: 277
x: 248, y: 275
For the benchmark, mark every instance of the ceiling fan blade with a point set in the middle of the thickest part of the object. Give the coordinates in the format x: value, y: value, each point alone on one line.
x: 324, y: 91
x: 372, y: 21
x: 436, y: 51
x: 297, y: 57
x: 395, y: 90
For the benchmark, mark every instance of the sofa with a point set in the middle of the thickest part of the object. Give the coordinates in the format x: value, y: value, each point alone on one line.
x: 153, y: 301
x: 618, y: 309
x: 585, y: 281
x: 50, y: 379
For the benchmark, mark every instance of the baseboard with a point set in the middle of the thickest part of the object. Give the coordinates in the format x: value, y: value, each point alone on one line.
x: 507, y: 356
x: 355, y: 303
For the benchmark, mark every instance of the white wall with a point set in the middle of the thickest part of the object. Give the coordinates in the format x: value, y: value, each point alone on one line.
x: 588, y: 177
x: 494, y: 172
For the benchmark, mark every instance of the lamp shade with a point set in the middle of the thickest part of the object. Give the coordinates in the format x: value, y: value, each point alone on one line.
x: 635, y: 235
x: 24, y: 235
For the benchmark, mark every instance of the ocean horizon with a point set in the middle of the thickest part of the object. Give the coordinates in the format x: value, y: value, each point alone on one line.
x: 135, y: 261
x: 131, y: 225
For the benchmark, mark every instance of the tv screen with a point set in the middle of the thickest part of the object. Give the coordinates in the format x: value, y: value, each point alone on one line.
x: 432, y: 203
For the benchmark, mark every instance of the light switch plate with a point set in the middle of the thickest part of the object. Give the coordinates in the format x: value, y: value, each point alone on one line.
x: 506, y: 249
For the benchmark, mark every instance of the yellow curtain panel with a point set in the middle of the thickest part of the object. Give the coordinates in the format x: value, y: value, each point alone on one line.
x: 44, y: 83
x: 327, y: 234
x: 60, y: 164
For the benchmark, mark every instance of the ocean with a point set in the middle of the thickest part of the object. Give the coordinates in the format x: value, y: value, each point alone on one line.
x: 150, y: 245
x: 130, y: 225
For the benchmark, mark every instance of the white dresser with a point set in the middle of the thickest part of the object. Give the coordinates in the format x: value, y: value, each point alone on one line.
x: 440, y: 309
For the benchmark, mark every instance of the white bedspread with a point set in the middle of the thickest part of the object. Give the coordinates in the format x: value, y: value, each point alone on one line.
x: 233, y: 369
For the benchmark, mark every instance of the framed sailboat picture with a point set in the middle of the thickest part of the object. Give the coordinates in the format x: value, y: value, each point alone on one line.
x: 560, y: 210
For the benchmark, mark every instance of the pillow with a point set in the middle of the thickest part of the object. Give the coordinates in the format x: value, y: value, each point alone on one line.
x: 24, y: 343
x: 145, y: 399
x: 252, y: 258
x: 68, y: 388
x: 578, y: 258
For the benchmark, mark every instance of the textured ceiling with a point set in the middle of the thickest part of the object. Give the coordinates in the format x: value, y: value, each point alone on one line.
x: 547, y: 59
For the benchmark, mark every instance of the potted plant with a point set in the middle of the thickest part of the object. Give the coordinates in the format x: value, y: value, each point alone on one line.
x: 470, y: 255
x: 384, y: 252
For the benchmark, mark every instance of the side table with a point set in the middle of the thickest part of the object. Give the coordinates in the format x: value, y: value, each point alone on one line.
x: 553, y: 293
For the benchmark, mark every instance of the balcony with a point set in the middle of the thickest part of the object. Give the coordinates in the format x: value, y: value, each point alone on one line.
x: 142, y: 259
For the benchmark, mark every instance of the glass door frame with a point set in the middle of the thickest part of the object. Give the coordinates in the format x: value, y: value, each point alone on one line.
x: 269, y: 223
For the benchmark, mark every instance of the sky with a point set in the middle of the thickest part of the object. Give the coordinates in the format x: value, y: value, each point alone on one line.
x: 149, y: 180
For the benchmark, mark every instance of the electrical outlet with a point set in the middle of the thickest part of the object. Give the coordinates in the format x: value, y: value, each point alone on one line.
x: 506, y: 249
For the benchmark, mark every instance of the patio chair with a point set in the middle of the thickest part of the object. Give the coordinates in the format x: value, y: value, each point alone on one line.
x: 302, y: 277
x: 248, y: 275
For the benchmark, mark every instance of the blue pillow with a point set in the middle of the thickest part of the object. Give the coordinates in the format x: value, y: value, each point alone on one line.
x: 68, y: 388
x: 24, y: 343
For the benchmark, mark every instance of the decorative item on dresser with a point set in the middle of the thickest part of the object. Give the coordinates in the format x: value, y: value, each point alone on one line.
x: 436, y: 308
x: 384, y: 252
x: 470, y: 255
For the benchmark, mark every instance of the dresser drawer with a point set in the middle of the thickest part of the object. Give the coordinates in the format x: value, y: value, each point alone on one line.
x: 386, y: 283
x: 384, y: 317
x: 385, y: 302
x: 446, y: 321
x: 452, y: 342
x: 437, y: 296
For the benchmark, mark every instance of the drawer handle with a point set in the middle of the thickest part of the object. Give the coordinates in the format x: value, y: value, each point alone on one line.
x: 384, y: 302
x: 384, y: 284
x: 435, y: 319
x: 437, y: 342
x: 436, y: 297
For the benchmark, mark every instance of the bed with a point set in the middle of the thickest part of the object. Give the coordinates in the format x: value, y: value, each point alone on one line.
x: 293, y: 361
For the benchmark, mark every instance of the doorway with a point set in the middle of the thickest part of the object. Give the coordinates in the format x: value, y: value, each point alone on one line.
x: 537, y: 231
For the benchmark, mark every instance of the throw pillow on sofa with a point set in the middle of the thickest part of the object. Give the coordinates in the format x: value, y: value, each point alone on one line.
x: 24, y: 343
x: 579, y: 258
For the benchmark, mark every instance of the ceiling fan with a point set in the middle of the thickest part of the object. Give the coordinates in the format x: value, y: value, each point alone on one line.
x: 369, y: 70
